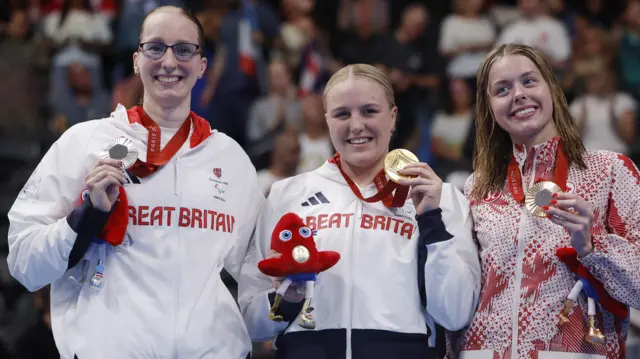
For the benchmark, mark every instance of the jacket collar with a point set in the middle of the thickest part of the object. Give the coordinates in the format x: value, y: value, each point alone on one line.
x: 330, y: 171
x: 136, y: 132
x: 543, y: 153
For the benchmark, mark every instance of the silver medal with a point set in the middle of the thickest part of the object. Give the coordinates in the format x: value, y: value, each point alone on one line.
x: 121, y: 149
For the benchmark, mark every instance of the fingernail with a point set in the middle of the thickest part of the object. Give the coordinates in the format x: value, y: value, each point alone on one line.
x: 119, y: 163
x: 546, y: 208
x: 553, y: 201
x: 549, y: 216
x: 554, y: 195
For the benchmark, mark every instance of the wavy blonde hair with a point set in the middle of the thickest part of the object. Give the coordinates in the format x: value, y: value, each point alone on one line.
x: 493, y: 146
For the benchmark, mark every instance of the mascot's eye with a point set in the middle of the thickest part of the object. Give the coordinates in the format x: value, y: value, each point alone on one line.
x: 285, y: 235
x: 305, y: 232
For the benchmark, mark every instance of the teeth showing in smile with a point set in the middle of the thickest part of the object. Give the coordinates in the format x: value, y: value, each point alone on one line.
x: 359, y: 140
x: 526, y: 111
x: 168, y: 79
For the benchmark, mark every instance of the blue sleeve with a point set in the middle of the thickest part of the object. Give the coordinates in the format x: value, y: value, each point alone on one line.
x: 87, y: 222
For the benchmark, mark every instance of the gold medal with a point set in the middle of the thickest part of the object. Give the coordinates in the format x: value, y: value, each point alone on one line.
x: 395, y: 161
x: 539, y: 195
x: 121, y: 149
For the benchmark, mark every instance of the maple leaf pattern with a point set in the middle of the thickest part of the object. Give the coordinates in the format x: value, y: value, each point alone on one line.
x: 493, y: 286
x: 535, y: 273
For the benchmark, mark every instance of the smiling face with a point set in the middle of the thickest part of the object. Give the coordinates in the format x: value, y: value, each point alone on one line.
x: 168, y: 80
x: 520, y: 99
x: 360, y: 120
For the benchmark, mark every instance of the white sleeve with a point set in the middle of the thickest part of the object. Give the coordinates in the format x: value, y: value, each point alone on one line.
x: 447, y: 41
x: 254, y: 287
x: 560, y: 43
x: 50, y: 27
x: 452, y: 270
x: 40, y: 234
x: 506, y: 35
x: 622, y: 103
x: 101, y: 32
x: 576, y: 108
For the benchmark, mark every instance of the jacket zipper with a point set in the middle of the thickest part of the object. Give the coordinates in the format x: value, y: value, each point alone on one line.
x: 176, y: 309
x: 519, y: 262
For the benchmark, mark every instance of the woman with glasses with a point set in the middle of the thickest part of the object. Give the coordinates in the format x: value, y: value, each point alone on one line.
x: 131, y: 218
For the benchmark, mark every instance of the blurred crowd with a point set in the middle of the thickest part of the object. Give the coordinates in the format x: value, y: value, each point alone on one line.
x: 67, y: 61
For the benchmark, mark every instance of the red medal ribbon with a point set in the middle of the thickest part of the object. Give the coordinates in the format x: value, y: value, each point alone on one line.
x: 155, y: 156
x: 560, y: 173
x: 384, y: 187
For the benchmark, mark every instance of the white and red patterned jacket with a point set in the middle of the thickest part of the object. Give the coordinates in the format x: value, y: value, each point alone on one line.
x: 525, y: 286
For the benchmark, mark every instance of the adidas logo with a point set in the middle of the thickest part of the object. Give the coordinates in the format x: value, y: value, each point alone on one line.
x: 315, y: 199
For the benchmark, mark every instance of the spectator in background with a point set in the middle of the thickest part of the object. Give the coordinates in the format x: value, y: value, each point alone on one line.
x: 629, y: 49
x: 605, y: 116
x: 451, y: 128
x: 593, y: 52
x: 597, y: 14
x: 237, y: 77
x: 272, y: 114
x: 81, y: 101
x: 315, y: 142
x: 285, y: 158
x: 37, y: 341
x: 466, y: 36
x: 537, y: 29
x: 373, y: 12
x: 413, y: 70
x: 295, y: 30
x: 211, y: 20
x: 568, y: 16
x: 77, y: 34
x: 23, y: 84
x: 316, y: 63
x: 359, y: 43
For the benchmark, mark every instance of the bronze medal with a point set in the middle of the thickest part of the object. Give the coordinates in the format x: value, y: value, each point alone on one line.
x: 540, y: 195
x: 121, y: 149
x: 395, y: 161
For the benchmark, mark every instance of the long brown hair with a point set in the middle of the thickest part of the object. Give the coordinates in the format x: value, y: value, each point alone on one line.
x: 494, y: 147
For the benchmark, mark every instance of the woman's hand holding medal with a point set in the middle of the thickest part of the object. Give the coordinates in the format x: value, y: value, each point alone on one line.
x: 103, y: 183
x: 426, y: 186
x: 576, y: 215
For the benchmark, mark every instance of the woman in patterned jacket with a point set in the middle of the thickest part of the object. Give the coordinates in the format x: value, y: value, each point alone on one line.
x: 536, y: 192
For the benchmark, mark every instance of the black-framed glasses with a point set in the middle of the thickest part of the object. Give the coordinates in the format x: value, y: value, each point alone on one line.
x: 183, y: 51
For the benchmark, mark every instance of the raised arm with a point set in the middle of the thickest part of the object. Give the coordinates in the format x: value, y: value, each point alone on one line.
x: 47, y: 235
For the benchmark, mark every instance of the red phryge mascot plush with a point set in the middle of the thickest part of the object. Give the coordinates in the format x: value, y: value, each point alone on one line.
x: 594, y: 290
x: 299, y: 261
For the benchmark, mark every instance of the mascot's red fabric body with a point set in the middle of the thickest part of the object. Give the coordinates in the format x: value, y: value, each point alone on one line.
x: 298, y: 254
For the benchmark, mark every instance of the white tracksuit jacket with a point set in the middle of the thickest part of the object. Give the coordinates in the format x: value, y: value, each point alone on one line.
x: 369, y: 304
x: 163, y: 295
